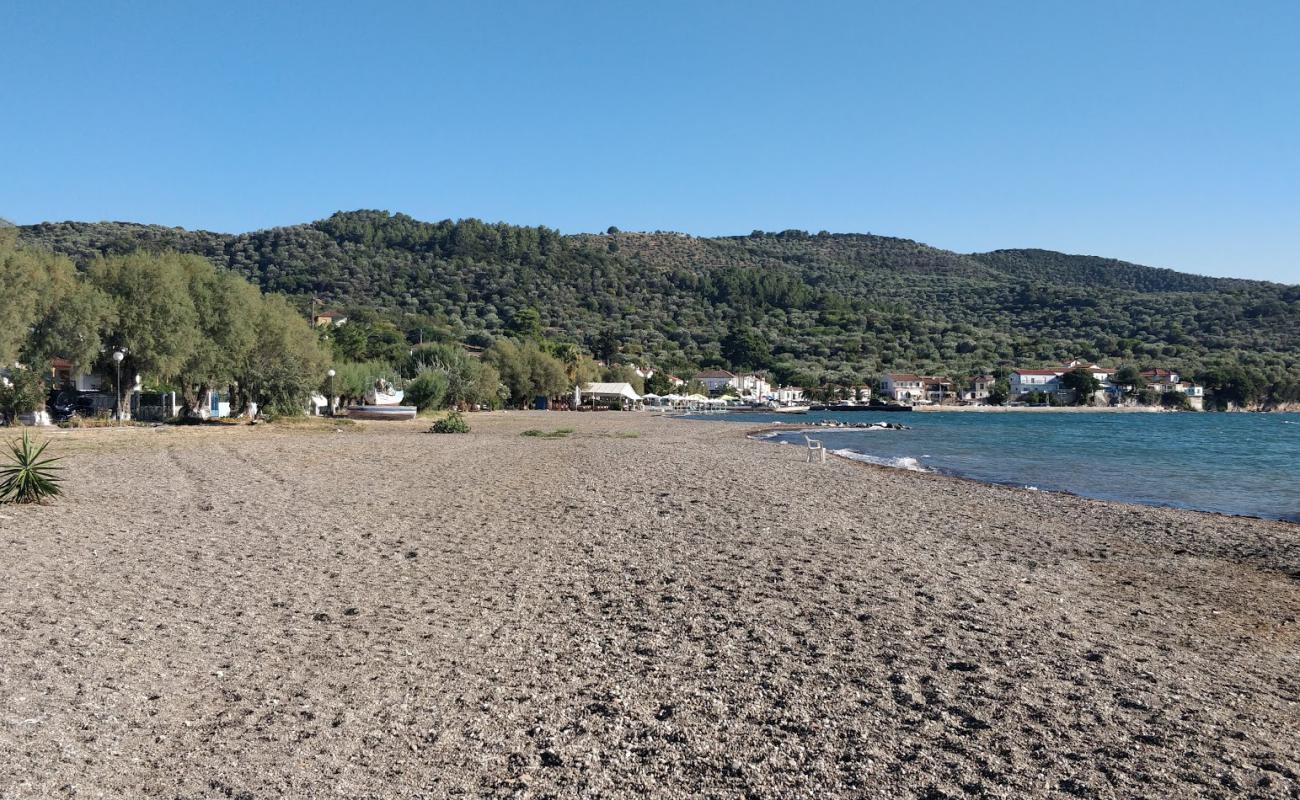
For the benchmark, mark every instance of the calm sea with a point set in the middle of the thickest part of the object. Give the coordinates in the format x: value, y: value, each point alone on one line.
x: 1245, y: 464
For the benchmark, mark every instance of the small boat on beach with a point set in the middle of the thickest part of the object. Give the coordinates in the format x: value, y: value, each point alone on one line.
x: 383, y: 401
x: 383, y: 393
x: 381, y: 412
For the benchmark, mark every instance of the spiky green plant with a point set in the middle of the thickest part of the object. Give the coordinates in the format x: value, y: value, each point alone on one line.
x: 28, y: 478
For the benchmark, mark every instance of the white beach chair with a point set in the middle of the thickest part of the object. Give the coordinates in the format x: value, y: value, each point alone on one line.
x: 815, y: 450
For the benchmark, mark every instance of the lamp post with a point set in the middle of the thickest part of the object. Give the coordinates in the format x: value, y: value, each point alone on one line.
x: 118, y: 355
x: 329, y: 401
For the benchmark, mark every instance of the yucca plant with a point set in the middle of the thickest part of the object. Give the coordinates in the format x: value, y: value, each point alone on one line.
x: 28, y: 478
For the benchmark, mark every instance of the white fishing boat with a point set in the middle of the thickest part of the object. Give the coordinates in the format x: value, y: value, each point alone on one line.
x: 383, y: 401
x: 383, y: 393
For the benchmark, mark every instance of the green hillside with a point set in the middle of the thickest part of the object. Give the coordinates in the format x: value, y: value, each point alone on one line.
x: 837, y: 306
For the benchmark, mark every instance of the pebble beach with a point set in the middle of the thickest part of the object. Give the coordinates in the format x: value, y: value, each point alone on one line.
x: 643, y: 607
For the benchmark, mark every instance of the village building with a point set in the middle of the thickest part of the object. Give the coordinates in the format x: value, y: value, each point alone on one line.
x: 330, y: 318
x: 753, y: 388
x: 64, y: 375
x: 1102, y: 374
x: 1024, y: 381
x: 978, y: 390
x: 859, y: 394
x: 906, y: 387
x: 1163, y: 379
x: 788, y: 395
x: 717, y: 381
x: 937, y: 389
x: 902, y: 387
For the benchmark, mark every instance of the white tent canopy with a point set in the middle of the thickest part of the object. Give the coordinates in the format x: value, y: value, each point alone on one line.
x: 610, y: 391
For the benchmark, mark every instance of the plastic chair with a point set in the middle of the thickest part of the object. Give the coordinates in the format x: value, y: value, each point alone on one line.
x: 815, y: 450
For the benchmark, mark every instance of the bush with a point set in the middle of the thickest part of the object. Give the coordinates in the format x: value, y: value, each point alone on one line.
x: 28, y: 478
x: 24, y: 394
x: 427, y: 390
x: 558, y: 433
x: 1176, y: 401
x: 452, y: 423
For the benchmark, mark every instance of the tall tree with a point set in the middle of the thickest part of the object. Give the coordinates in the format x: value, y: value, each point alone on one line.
x: 157, y: 323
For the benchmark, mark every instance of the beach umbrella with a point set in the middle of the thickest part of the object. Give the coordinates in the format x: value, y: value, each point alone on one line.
x: 577, y: 396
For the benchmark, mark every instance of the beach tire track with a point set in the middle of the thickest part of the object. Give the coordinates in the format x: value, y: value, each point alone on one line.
x: 194, y: 480
x: 257, y: 467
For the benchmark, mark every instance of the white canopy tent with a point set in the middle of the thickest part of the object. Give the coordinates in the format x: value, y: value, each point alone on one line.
x: 607, y: 392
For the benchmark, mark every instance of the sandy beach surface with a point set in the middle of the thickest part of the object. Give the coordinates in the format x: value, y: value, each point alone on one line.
x: 648, y: 607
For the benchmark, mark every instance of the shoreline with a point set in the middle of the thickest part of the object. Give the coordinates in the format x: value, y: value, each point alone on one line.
x: 759, y: 435
x: 756, y: 435
x: 1052, y: 409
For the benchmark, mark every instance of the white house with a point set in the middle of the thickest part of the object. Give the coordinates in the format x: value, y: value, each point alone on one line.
x: 65, y: 376
x: 1024, y: 381
x: 754, y: 388
x: 1102, y: 374
x: 980, y: 386
x: 329, y: 319
x: 717, y: 380
x: 1168, y: 380
x: 937, y: 389
x: 859, y: 394
x: 788, y: 395
x: 902, y: 387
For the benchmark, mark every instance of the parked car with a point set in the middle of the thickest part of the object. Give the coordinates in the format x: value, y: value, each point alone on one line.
x: 68, y: 404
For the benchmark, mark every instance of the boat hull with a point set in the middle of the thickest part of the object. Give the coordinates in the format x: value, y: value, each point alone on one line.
x: 381, y: 412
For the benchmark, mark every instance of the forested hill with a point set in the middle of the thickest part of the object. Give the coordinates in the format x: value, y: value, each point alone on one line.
x: 837, y: 305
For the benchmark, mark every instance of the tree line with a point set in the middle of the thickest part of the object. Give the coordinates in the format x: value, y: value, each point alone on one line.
x: 823, y: 309
x: 181, y: 323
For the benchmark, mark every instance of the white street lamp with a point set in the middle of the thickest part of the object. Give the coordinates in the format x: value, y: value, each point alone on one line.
x: 329, y: 401
x: 118, y: 355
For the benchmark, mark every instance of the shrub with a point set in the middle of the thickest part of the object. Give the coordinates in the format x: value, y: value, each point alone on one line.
x: 558, y: 433
x: 427, y: 390
x: 24, y: 393
x: 1176, y: 401
x: 28, y: 478
x: 452, y: 423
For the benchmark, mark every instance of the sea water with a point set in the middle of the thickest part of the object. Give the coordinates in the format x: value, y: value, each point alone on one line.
x: 1246, y: 464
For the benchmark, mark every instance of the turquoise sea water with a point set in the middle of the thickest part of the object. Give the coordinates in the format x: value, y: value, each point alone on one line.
x: 1246, y: 464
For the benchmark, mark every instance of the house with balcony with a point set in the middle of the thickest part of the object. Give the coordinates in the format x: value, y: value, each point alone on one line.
x: 753, y: 388
x: 902, y: 387
x: 977, y: 391
x: 788, y: 395
x: 1025, y: 381
x: 718, y: 381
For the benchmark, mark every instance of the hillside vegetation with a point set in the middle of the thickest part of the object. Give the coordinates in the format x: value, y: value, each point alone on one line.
x: 811, y: 306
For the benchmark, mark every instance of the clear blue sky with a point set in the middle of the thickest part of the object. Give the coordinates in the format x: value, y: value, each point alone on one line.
x: 1166, y: 133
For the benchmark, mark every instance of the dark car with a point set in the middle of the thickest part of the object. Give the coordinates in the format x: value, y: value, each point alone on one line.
x: 69, y: 404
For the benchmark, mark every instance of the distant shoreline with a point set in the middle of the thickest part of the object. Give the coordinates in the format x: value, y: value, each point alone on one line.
x: 1050, y: 409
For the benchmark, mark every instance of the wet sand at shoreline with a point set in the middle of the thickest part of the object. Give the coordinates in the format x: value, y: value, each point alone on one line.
x: 284, y: 612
